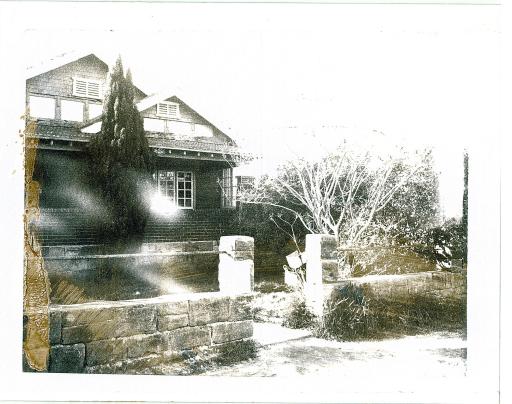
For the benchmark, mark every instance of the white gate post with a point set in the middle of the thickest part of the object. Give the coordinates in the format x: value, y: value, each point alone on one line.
x: 320, y: 249
x: 236, y: 264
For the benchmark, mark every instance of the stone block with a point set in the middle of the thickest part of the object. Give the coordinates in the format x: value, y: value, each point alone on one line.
x: 138, y: 346
x: 138, y: 320
x: 90, y: 324
x: 225, y: 332
x: 67, y: 358
x: 172, y: 322
x: 105, y: 351
x: 188, y: 338
x: 228, y: 244
x: 209, y: 310
x: 91, y: 332
x: 172, y: 308
x: 54, y: 334
x: 86, y: 314
x: 240, y: 308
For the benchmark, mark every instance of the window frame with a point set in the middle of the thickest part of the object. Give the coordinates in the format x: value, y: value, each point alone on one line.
x: 87, y: 91
x: 42, y: 97
x: 63, y: 101
x: 175, y: 199
x: 228, y: 200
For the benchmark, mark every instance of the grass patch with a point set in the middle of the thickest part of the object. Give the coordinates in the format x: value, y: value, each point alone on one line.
x: 198, y: 361
x: 271, y: 287
x: 236, y: 352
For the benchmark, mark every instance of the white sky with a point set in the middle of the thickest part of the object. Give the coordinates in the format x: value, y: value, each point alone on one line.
x: 422, y: 75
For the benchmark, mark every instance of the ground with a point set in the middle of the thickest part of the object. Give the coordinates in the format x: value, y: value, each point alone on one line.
x: 411, y: 359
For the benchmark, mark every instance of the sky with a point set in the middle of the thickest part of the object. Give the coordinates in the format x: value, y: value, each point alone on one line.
x: 423, y: 76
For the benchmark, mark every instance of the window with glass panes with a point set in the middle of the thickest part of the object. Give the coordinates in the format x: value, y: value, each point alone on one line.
x: 227, y: 188
x: 166, y: 184
x: 184, y: 183
x: 178, y: 186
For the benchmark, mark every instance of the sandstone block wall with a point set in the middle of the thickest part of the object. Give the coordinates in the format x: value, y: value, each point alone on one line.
x: 100, y: 336
x: 434, y: 283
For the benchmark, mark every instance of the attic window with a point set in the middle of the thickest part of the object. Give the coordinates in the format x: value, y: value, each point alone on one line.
x: 86, y: 88
x: 168, y: 109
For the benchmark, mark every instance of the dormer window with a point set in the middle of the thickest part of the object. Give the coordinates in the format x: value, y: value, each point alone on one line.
x: 168, y: 109
x: 86, y: 88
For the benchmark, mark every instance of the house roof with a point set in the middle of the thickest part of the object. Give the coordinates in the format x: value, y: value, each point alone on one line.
x: 62, y: 60
x: 58, y: 61
x: 150, y: 101
x: 154, y: 99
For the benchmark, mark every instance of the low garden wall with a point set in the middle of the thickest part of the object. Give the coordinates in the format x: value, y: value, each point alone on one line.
x: 323, y: 275
x: 108, y: 336
x: 434, y: 283
x: 102, y: 337
x: 154, y: 269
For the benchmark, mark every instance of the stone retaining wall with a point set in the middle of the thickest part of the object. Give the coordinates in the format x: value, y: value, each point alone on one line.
x: 435, y: 283
x: 323, y: 274
x: 100, y: 337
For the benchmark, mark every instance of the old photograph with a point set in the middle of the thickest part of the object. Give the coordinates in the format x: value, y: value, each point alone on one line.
x: 260, y: 191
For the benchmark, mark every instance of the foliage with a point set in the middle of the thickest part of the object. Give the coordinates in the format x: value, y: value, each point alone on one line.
x: 363, y: 198
x: 300, y: 316
x: 271, y: 287
x: 347, y: 315
x: 121, y: 161
x: 354, y: 313
x: 464, y: 235
x: 390, y: 260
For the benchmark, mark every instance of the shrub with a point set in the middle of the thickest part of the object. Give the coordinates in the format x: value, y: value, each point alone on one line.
x: 347, y: 315
x: 353, y: 313
x: 300, y: 316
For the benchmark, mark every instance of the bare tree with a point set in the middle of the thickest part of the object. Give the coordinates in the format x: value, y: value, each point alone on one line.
x: 338, y: 194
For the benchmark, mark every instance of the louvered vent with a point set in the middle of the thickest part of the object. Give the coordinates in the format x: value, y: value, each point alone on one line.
x: 168, y: 109
x: 87, y: 88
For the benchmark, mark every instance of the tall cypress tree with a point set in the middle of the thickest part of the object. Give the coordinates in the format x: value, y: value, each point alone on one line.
x: 121, y: 161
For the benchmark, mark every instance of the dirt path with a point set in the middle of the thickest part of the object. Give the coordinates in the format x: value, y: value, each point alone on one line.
x: 411, y: 359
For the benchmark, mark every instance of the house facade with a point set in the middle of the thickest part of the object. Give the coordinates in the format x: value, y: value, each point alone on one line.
x: 193, y: 181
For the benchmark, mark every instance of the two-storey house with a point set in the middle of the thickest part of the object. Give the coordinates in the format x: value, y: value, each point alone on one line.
x: 194, y: 158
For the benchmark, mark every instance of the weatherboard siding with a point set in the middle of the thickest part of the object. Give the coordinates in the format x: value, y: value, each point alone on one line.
x: 59, y: 82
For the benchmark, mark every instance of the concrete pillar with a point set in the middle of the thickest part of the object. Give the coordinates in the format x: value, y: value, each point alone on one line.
x: 320, y: 250
x: 236, y: 264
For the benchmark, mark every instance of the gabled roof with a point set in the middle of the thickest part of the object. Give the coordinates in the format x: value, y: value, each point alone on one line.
x: 59, y: 61
x: 154, y: 99
x: 62, y: 60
